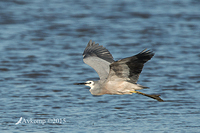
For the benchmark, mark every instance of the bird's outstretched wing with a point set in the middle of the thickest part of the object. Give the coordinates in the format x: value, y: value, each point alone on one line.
x: 99, y: 58
x: 129, y: 68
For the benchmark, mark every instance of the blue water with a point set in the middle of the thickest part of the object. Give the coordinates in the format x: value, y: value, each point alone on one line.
x: 41, y: 46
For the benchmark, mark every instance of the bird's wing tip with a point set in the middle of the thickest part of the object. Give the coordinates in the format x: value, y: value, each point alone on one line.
x: 147, y: 51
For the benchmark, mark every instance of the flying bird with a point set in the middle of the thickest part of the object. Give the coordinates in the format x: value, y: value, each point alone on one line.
x: 116, y: 77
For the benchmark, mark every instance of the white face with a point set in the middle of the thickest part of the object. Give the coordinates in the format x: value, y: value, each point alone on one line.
x: 89, y: 83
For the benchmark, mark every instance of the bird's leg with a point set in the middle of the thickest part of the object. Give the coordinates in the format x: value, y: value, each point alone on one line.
x: 151, y: 96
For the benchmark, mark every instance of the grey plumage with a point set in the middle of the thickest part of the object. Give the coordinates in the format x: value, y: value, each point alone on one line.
x: 116, y: 77
x: 130, y: 68
x: 99, y: 58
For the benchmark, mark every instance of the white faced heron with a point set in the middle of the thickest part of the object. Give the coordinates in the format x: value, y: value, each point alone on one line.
x: 116, y: 77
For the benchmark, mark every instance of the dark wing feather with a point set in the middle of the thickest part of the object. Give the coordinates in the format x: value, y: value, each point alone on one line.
x: 129, y: 68
x: 93, y: 49
x: 99, y: 58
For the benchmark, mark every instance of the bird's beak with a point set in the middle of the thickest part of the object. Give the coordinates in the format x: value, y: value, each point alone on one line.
x: 79, y: 83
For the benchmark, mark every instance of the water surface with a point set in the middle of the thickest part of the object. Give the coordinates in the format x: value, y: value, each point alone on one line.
x: 41, y: 57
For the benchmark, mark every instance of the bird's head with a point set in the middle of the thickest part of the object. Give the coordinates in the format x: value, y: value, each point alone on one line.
x: 94, y: 87
x: 87, y: 83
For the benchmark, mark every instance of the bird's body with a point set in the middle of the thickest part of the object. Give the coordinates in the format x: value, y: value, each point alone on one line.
x: 122, y: 87
x: 116, y: 77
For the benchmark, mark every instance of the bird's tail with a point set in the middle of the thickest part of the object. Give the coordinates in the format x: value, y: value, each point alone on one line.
x: 151, y: 96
